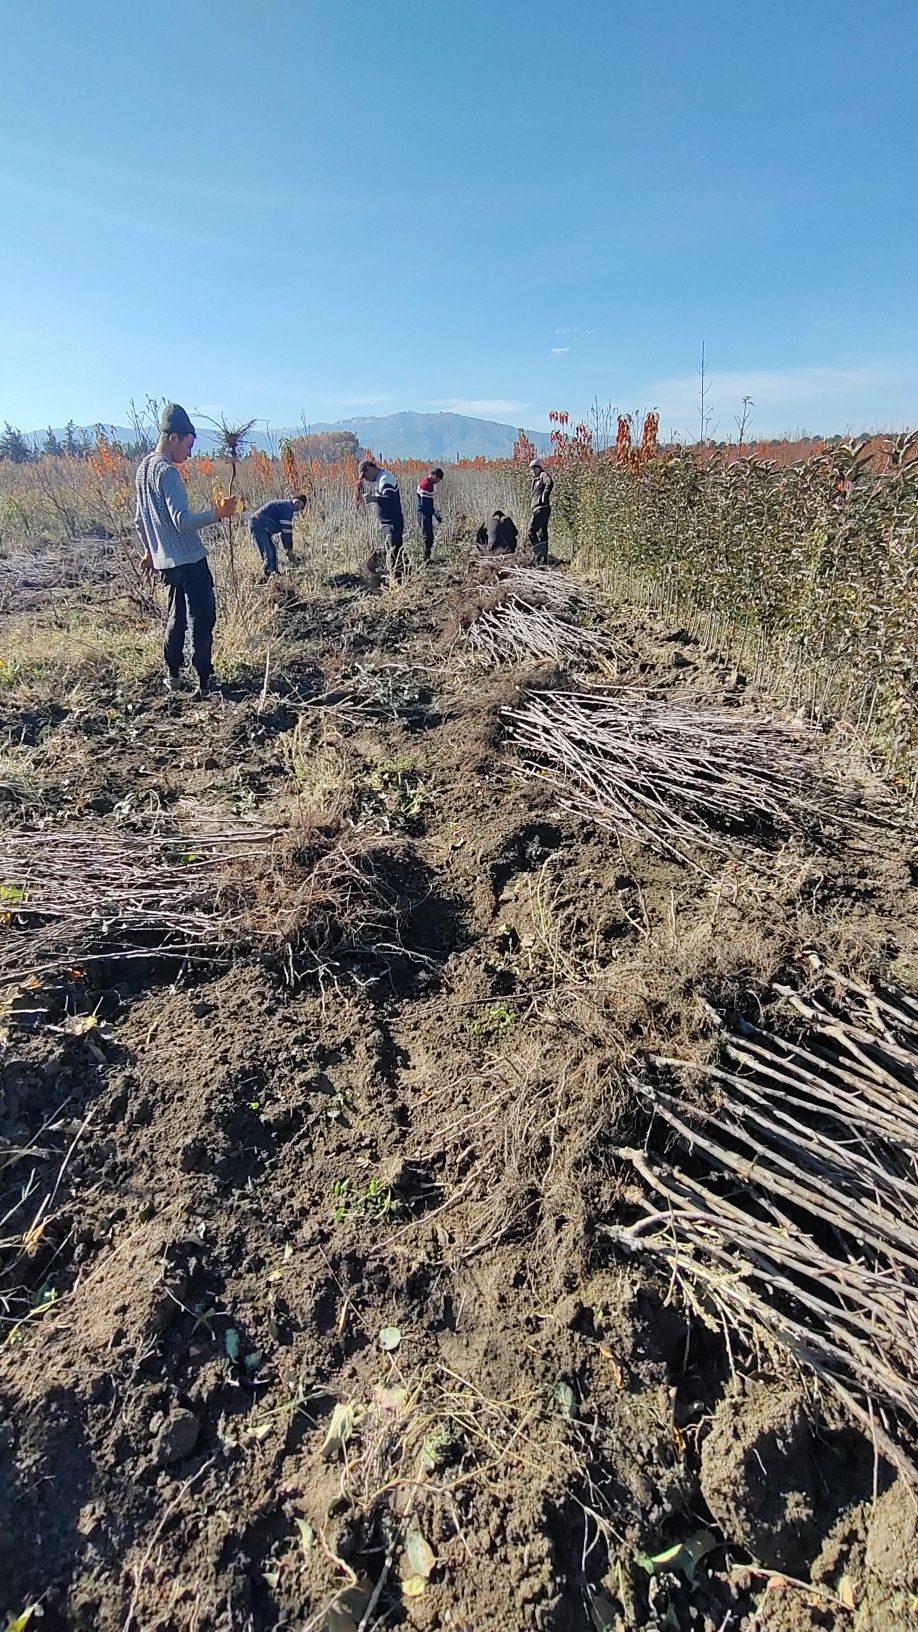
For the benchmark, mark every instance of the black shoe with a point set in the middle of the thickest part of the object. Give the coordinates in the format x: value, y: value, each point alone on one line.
x: 207, y: 689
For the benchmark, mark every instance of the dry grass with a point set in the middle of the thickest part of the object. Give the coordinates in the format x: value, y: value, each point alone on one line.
x: 321, y: 768
x: 418, y: 1455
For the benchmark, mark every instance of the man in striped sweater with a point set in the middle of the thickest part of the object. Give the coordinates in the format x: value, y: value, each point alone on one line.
x: 427, y: 514
x: 378, y: 486
x: 170, y: 535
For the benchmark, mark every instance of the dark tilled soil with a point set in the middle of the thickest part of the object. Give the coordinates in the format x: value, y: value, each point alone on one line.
x: 309, y: 1317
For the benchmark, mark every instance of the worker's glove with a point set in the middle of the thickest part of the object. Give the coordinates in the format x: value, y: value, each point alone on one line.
x: 437, y: 516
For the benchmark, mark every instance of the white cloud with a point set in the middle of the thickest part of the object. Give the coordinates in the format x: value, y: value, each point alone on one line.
x: 560, y: 351
x: 482, y: 405
x: 571, y: 328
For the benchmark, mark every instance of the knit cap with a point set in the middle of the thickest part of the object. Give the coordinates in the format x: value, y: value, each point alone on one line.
x: 174, y: 421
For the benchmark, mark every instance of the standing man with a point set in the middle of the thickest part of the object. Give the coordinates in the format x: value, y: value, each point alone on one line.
x: 169, y: 533
x: 388, y: 500
x: 427, y: 515
x: 540, y: 506
x: 271, y: 519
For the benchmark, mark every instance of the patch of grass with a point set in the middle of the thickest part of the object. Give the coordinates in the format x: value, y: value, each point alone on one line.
x: 320, y: 767
x: 51, y: 657
x: 395, y: 792
x: 496, y: 1022
x: 375, y: 1201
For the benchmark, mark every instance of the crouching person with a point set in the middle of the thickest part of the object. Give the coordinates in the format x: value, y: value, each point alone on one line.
x: 498, y: 535
x: 170, y: 535
x: 272, y: 520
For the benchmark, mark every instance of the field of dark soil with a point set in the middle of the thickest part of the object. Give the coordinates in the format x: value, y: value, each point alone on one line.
x: 314, y: 1310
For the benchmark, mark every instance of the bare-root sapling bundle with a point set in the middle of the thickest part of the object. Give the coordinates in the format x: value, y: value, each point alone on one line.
x: 89, y: 894
x: 794, y: 1205
x: 524, y: 616
x: 675, y: 773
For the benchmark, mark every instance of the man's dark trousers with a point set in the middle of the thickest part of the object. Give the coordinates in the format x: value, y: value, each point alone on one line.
x: 192, y: 605
x: 425, y: 522
x: 394, y: 545
x: 538, y: 533
x: 267, y: 548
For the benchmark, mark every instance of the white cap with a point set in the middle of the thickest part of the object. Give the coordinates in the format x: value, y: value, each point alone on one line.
x: 535, y: 464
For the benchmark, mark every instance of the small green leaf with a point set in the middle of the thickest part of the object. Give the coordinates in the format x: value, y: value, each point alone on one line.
x: 419, y: 1553
x: 18, y: 1623
x: 685, y: 1556
x: 232, y: 1342
x: 348, y: 1610
x: 307, y: 1535
x: 389, y: 1338
x: 340, y: 1429
x: 603, y: 1613
x: 564, y: 1396
x: 253, y: 1361
x: 413, y: 1586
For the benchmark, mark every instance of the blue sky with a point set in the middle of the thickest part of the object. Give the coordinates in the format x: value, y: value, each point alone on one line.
x: 497, y: 207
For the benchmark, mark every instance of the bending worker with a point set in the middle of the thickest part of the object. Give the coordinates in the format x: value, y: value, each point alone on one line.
x: 270, y: 520
x: 170, y: 535
x: 540, y: 505
x: 497, y: 535
x: 427, y: 515
x: 385, y: 495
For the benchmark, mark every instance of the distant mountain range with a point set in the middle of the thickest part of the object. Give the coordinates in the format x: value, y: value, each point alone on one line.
x: 435, y: 436
x: 392, y: 436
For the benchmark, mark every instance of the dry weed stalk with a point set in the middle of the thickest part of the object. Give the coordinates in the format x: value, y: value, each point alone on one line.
x: 522, y: 1133
x: 797, y: 1207
x: 670, y: 772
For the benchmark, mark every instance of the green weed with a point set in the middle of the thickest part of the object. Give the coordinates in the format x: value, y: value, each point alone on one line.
x: 498, y: 1020
x: 376, y: 1202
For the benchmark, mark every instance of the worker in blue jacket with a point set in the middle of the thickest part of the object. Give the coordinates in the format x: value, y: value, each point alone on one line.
x: 271, y: 520
x: 378, y: 486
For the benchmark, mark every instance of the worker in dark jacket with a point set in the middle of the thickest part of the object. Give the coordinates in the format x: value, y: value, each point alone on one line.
x: 540, y: 507
x: 497, y: 535
x: 270, y: 520
x: 427, y: 514
x: 379, y: 487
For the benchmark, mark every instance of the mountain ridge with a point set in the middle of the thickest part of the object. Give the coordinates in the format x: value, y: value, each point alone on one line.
x: 404, y: 435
